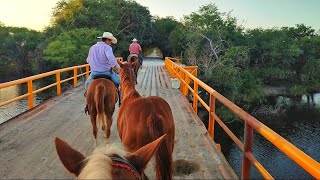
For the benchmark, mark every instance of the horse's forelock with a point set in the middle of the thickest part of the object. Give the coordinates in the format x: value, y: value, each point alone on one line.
x: 99, y: 164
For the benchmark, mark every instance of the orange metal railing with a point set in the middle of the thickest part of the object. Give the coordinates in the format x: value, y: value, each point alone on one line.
x: 57, y: 73
x: 251, y: 123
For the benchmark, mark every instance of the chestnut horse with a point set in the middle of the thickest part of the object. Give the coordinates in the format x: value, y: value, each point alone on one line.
x: 141, y: 120
x: 101, y: 97
x: 108, y: 162
x: 133, y: 58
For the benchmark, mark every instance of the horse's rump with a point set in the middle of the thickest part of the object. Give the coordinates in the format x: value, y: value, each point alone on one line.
x: 144, y: 120
x: 101, y: 99
x: 103, y: 94
x: 163, y: 154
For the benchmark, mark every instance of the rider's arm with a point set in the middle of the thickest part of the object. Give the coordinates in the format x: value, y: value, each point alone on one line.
x: 140, y: 49
x: 89, y: 55
x: 112, y: 59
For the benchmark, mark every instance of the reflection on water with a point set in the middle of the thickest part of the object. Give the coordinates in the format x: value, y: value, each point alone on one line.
x: 314, y: 99
x: 15, y: 108
x: 300, y: 126
x: 8, y: 93
x: 303, y: 135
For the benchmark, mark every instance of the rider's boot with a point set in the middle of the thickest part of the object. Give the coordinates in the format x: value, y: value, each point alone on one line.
x: 85, y: 93
x: 119, y: 95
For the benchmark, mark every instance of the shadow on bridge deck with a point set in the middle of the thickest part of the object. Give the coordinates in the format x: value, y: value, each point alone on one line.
x: 27, y: 142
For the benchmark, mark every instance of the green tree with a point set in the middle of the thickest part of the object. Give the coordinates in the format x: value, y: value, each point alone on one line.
x: 70, y: 48
x: 125, y: 19
x: 273, y: 54
x: 162, y: 28
x: 310, y: 63
x: 18, y: 51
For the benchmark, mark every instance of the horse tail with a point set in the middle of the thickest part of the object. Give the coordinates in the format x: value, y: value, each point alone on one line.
x: 162, y: 155
x: 99, y: 96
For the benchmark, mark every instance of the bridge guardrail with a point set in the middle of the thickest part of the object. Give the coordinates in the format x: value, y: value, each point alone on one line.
x: 251, y: 123
x: 29, y: 81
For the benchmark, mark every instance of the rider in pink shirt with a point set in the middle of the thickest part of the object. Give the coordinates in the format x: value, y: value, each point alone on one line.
x: 135, y: 48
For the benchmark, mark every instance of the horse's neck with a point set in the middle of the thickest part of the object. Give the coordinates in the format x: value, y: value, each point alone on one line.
x: 130, y: 92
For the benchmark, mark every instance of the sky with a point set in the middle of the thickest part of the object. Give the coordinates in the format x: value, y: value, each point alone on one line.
x: 36, y: 14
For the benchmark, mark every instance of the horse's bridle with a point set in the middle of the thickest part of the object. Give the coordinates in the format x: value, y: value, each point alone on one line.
x: 123, y: 163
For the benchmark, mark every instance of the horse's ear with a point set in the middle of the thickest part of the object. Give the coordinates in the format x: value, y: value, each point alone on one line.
x: 142, y: 156
x: 70, y: 158
x: 120, y: 63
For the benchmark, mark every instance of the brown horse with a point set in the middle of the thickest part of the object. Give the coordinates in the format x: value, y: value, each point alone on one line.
x: 101, y: 97
x: 108, y: 162
x: 141, y: 120
x: 133, y: 58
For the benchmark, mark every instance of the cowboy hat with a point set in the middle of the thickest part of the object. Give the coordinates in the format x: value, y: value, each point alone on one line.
x: 108, y: 35
x: 134, y: 40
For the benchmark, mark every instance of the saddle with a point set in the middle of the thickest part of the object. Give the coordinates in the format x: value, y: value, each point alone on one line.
x: 102, y: 76
x: 129, y: 59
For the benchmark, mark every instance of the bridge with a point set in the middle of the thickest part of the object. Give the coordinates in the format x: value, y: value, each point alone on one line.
x: 27, y: 141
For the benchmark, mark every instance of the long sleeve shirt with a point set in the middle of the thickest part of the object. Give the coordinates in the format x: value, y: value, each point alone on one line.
x: 134, y: 48
x: 101, y: 58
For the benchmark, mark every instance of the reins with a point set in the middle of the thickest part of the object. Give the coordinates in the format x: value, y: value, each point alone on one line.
x: 125, y: 164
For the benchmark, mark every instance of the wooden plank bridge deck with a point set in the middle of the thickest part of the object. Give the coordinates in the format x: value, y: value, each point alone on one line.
x: 27, y: 142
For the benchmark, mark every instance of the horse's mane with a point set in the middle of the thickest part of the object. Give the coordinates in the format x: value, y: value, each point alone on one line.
x: 127, y: 82
x: 98, y: 165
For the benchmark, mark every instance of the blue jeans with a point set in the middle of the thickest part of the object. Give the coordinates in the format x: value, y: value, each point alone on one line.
x: 141, y: 59
x: 114, y: 77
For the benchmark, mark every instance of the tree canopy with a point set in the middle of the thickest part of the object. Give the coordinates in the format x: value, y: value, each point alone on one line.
x: 18, y: 51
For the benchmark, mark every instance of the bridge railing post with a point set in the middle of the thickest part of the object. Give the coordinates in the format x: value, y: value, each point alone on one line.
x: 195, y: 97
x: 75, y: 78
x: 186, y: 89
x: 30, y: 94
x: 182, y: 77
x: 246, y: 163
x: 58, y: 83
x: 87, y: 72
x: 211, y: 115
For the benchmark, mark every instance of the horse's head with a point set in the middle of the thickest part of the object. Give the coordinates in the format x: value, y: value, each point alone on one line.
x: 108, y: 162
x: 132, y: 58
x: 127, y: 71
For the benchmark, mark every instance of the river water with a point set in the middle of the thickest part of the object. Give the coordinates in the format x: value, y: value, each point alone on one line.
x: 300, y: 126
x: 13, y: 109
